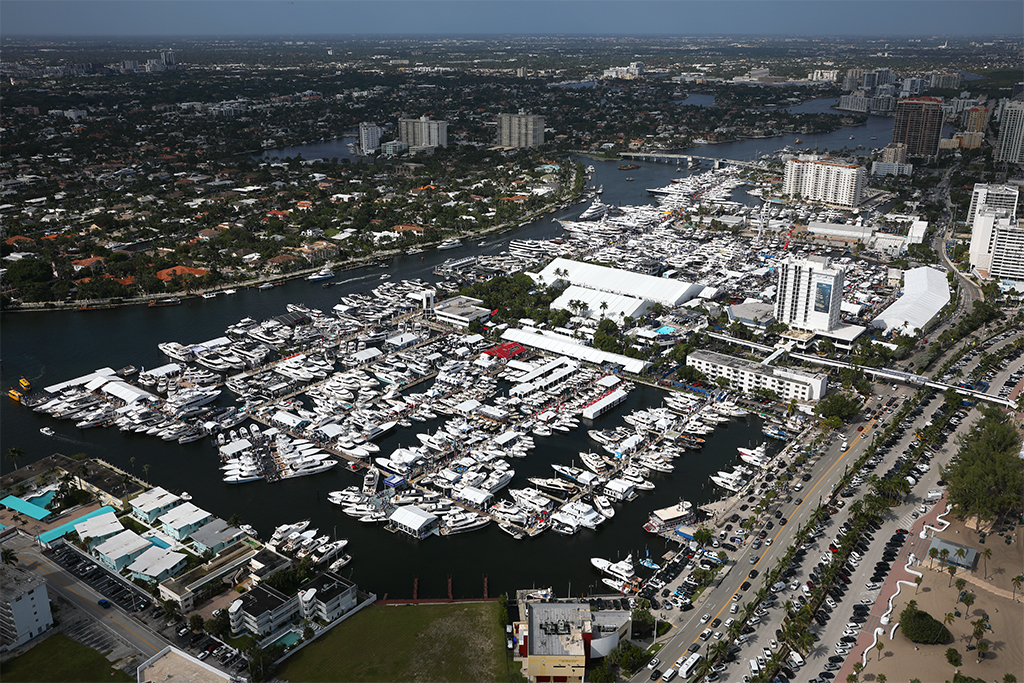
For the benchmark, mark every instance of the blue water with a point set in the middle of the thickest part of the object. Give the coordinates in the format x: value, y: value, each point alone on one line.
x: 159, y: 543
x: 43, y: 500
x: 288, y: 639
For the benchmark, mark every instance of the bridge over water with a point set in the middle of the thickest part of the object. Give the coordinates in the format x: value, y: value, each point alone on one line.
x: 689, y: 159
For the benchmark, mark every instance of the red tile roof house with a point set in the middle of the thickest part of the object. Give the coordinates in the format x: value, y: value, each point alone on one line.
x: 92, y: 263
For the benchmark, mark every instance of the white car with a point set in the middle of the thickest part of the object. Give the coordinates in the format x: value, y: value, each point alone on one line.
x: 718, y: 635
x: 705, y: 619
x: 872, y: 586
x: 653, y: 664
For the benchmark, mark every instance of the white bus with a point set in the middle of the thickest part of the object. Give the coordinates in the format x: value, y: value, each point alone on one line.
x: 690, y: 665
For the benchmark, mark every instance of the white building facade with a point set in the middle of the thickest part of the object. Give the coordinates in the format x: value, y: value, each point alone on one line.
x: 423, y: 132
x: 747, y: 376
x: 24, y: 607
x: 520, y: 130
x: 992, y: 197
x: 810, y: 294
x: 1010, y: 147
x: 369, y: 137
x: 825, y: 180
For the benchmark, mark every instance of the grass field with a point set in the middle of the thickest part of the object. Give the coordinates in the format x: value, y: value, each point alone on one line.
x: 58, y: 659
x: 423, y: 643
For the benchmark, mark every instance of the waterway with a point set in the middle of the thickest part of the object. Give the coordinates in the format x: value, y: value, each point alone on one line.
x: 50, y: 347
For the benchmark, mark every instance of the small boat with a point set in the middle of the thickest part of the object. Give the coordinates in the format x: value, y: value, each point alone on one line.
x: 209, y: 295
x: 173, y: 301
x: 127, y: 371
x: 266, y: 285
x: 649, y: 563
x: 185, y: 495
x: 230, y: 291
x: 46, y: 431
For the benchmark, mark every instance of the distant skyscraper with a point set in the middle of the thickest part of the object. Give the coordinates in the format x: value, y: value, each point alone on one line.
x: 168, y: 58
x: 520, y: 130
x: 423, y: 132
x: 369, y: 137
x: 918, y: 125
x: 1010, y: 147
x: 810, y: 294
x: 975, y: 119
x: 895, y: 153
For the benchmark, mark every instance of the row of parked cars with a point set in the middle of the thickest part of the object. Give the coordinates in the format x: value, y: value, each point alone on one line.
x: 115, y: 591
x: 209, y: 647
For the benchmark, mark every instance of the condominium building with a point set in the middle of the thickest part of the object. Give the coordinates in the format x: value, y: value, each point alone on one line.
x: 918, y: 125
x: 985, y: 229
x: 369, y: 137
x: 1010, y: 147
x: 24, y: 607
x: 520, y: 130
x: 810, y: 294
x: 264, y: 609
x: 423, y: 132
x: 894, y: 153
x: 825, y: 179
x: 987, y: 196
x: 1008, y: 252
x: 748, y: 376
x: 975, y: 119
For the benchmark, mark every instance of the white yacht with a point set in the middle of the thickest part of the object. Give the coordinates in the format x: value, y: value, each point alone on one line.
x: 322, y: 274
x: 449, y: 244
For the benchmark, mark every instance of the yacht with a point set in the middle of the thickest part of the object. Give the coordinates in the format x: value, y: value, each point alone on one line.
x: 449, y: 244
x: 622, y: 570
x: 322, y: 274
x: 604, y: 506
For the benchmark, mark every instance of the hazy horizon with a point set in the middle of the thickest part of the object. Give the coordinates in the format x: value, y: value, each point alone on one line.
x: 390, y: 18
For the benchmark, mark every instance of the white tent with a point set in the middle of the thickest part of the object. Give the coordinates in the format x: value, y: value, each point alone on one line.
x: 925, y: 292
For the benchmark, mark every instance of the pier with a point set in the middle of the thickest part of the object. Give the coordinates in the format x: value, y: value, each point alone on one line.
x: 660, y: 157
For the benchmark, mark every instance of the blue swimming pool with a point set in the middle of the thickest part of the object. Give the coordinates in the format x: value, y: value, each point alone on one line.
x: 288, y: 639
x: 159, y: 543
x: 42, y: 500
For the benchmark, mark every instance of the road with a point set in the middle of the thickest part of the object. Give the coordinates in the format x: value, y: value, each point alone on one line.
x: 66, y: 584
x: 826, y: 471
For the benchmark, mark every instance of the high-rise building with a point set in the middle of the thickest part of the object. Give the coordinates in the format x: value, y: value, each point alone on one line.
x: 369, y: 137
x: 24, y: 607
x: 423, y: 132
x: 824, y: 179
x: 895, y: 153
x: 810, y: 294
x: 918, y: 125
x: 1008, y: 252
x: 992, y: 197
x: 869, y: 79
x: 985, y: 231
x: 1010, y: 147
x: 975, y: 119
x: 168, y: 58
x: 520, y: 130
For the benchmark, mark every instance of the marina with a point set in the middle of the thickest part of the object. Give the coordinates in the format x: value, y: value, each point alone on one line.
x: 337, y: 344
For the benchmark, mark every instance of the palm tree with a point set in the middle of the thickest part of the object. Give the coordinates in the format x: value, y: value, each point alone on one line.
x: 879, y: 646
x: 851, y: 677
x: 858, y: 667
x: 1017, y: 581
x: 917, y: 582
x: 132, y: 461
x: 982, y: 649
x: 1009, y: 678
x: 952, y: 572
x: 944, y: 554
x: 968, y: 600
x: 986, y: 553
x: 979, y: 630
x: 949, y: 618
x: 719, y: 649
x: 961, y: 553
x: 14, y: 454
x: 959, y: 583
x: 8, y: 556
x: 145, y: 469
x: 881, y: 678
x: 933, y: 553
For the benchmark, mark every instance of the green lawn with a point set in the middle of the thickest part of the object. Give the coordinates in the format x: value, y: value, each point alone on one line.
x: 58, y: 659
x: 423, y: 643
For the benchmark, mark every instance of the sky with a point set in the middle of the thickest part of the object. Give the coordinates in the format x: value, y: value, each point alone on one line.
x: 296, y: 18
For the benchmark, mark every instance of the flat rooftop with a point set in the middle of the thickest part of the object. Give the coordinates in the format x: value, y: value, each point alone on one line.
x: 557, y: 628
x: 171, y: 665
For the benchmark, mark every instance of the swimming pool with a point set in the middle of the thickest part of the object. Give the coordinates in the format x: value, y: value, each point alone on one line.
x: 43, y: 499
x: 288, y: 639
x: 158, y: 542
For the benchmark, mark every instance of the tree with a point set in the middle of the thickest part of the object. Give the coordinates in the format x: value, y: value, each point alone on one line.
x: 881, y: 678
x: 952, y: 572
x: 879, y: 646
x: 949, y: 618
x: 982, y: 649
x: 952, y: 656
x: 858, y: 667
x: 643, y: 622
x: 9, y: 556
x: 145, y: 469
x: 1009, y: 678
x: 195, y: 622
x: 917, y: 582
x: 1017, y: 581
x: 986, y: 553
x: 921, y: 627
x: 14, y: 454
x: 602, y: 673
x: 959, y: 583
x: 968, y: 600
x: 703, y: 536
x: 933, y: 553
x: 851, y: 677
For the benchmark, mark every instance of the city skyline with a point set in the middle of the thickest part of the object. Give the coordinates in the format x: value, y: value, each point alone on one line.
x: 301, y: 18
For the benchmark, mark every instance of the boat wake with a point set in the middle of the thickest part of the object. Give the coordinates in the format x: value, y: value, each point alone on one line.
x: 355, y: 279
